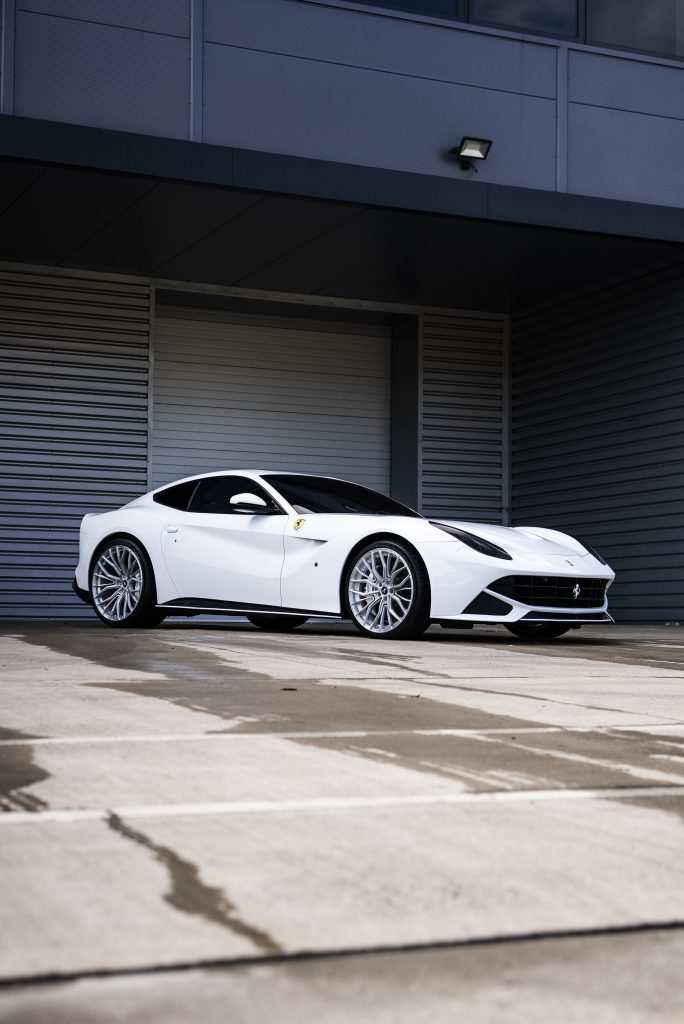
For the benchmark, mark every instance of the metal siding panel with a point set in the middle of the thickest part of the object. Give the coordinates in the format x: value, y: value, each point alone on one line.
x: 170, y: 17
x: 101, y: 75
x: 598, y: 444
x: 353, y: 116
x: 247, y: 392
x: 385, y: 41
x: 73, y: 430
x: 603, y: 159
x: 462, y: 436
x: 625, y: 83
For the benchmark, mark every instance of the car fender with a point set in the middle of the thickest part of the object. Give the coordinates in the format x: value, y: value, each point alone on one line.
x: 317, y: 548
x: 143, y: 522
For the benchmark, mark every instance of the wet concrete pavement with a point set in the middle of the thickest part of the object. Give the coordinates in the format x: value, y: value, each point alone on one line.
x: 212, y: 822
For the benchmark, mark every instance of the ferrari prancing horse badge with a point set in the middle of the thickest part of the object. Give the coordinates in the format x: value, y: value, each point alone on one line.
x: 298, y: 523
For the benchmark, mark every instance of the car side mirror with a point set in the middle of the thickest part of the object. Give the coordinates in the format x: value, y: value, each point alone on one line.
x: 249, y: 504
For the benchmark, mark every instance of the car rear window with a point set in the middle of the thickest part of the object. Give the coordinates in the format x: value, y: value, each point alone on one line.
x: 177, y: 496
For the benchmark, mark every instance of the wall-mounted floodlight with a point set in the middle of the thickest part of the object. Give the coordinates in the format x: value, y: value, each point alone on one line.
x: 471, y: 151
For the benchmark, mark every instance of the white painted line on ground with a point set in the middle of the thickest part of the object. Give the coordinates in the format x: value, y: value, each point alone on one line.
x: 314, y: 734
x: 349, y: 803
x: 657, y: 643
x: 326, y: 734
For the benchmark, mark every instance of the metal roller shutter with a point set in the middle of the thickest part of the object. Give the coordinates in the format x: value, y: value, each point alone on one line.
x: 462, y: 439
x: 598, y: 434
x: 238, y: 392
x: 73, y: 429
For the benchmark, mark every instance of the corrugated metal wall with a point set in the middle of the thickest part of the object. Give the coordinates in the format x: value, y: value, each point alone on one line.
x: 462, y: 437
x: 233, y: 391
x: 73, y: 426
x: 598, y: 434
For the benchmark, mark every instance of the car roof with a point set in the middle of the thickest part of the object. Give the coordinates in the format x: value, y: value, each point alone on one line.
x: 250, y: 473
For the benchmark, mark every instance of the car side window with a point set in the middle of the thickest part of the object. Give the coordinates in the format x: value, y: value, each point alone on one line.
x: 177, y: 496
x: 213, y: 494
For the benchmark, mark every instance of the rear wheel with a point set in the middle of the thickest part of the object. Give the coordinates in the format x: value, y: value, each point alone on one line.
x: 122, y: 585
x: 277, y: 623
x: 387, y: 592
x: 537, y: 630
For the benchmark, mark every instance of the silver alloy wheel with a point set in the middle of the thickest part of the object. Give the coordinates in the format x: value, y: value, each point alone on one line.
x: 117, y: 582
x: 381, y: 589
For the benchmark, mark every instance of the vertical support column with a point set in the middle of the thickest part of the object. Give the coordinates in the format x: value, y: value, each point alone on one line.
x: 150, y: 384
x: 196, y: 128
x: 7, y: 33
x: 562, y: 64
x: 507, y: 426
x: 405, y: 410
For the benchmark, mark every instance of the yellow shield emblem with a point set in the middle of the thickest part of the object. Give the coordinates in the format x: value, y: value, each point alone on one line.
x: 298, y: 523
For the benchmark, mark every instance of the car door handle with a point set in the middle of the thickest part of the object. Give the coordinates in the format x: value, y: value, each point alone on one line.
x: 172, y: 529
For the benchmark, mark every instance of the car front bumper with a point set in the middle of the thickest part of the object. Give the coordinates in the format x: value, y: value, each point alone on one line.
x: 467, y: 588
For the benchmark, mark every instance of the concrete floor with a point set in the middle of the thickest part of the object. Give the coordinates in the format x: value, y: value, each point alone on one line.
x: 212, y: 823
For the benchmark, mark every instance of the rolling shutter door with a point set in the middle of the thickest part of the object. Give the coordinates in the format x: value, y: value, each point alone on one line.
x: 239, y: 392
x: 598, y: 434
x: 73, y: 430
x: 462, y: 440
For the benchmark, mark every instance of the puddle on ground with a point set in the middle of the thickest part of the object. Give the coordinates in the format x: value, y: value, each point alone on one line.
x: 251, y: 701
x: 530, y: 761
x: 18, y: 771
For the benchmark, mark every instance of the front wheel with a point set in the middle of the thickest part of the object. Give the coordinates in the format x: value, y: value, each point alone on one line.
x: 277, y: 623
x: 387, y: 592
x: 537, y: 630
x: 122, y: 586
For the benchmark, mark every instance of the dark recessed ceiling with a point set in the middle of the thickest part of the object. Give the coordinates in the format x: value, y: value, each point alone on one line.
x: 95, y: 220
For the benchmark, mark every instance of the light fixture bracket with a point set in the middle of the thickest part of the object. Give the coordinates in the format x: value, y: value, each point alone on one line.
x: 471, y: 151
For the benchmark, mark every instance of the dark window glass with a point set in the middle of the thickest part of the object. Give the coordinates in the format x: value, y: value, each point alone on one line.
x: 312, y: 494
x: 213, y: 494
x: 177, y: 496
x: 554, y: 17
x: 436, y: 8
x: 656, y: 26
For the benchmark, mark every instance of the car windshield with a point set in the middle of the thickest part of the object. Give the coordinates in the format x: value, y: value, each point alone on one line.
x: 313, y: 494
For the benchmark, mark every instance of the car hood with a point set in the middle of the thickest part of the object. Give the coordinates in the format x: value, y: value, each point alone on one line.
x: 526, y: 540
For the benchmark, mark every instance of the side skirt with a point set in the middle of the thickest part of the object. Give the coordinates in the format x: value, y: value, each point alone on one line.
x: 200, y: 604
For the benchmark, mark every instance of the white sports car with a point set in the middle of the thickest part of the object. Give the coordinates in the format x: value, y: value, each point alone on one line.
x: 281, y: 547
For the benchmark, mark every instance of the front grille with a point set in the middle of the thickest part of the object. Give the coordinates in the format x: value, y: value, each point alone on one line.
x: 552, y: 591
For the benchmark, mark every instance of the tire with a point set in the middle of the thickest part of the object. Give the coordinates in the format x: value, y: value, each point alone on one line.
x: 537, y: 631
x: 277, y: 623
x: 387, y: 591
x: 122, y: 587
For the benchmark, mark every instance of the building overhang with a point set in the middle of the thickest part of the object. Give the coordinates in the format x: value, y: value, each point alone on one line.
x: 76, y: 196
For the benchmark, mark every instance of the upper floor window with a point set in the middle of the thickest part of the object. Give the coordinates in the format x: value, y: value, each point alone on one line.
x: 651, y: 26
x: 436, y: 8
x: 656, y: 26
x: 552, y: 17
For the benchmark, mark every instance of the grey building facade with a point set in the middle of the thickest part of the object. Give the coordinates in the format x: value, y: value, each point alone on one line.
x: 232, y: 234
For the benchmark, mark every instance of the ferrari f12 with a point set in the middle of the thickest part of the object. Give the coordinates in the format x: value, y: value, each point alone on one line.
x: 280, y: 548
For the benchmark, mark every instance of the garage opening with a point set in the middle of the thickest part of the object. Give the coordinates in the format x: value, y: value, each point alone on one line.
x: 239, y: 391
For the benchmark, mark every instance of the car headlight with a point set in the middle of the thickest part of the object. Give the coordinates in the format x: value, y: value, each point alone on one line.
x: 594, y: 552
x: 485, y: 547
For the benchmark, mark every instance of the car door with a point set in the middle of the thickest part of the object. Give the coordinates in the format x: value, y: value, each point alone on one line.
x: 214, y: 553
